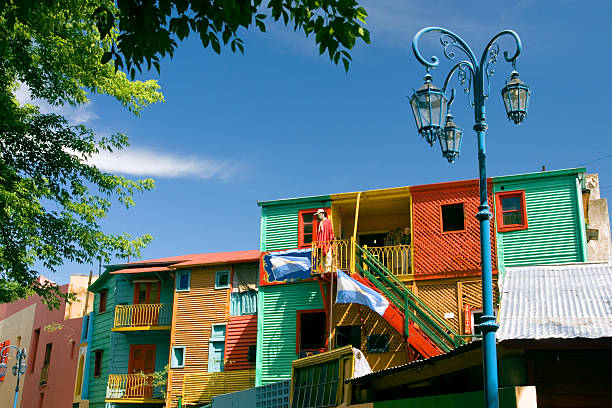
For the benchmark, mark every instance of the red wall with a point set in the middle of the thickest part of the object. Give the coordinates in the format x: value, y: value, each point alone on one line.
x: 59, y: 391
x: 439, y: 254
x: 240, y: 334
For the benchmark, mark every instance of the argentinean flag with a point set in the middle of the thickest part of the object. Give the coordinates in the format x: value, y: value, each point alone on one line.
x: 284, y: 266
x: 351, y: 291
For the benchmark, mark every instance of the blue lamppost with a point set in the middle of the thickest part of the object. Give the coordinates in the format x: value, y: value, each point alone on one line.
x: 428, y: 106
x: 18, y: 369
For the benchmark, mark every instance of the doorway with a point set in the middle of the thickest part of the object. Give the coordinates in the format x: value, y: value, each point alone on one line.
x: 142, y: 360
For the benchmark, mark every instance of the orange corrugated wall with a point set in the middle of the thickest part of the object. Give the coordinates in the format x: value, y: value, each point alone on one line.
x: 448, y: 254
x: 241, y: 333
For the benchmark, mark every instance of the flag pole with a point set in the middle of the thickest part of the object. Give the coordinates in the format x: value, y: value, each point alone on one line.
x: 331, y: 309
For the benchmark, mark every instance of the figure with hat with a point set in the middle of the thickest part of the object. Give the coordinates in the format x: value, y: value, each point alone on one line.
x: 325, y: 234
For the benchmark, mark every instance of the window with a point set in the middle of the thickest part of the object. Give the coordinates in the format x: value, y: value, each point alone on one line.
x: 511, y: 211
x: 222, y: 280
x: 48, y: 354
x: 311, y: 330
x: 178, y: 357
x: 183, y: 281
x: 348, y: 335
x: 103, y: 299
x: 307, y: 227
x: 316, y: 385
x: 216, y: 348
x: 476, y: 314
x: 147, y: 292
x: 72, y: 346
x: 377, y: 343
x: 98, y: 363
x: 252, y: 353
x: 453, y: 217
x: 34, y: 349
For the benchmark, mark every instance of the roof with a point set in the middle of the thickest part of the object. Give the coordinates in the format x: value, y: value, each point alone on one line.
x: 296, y: 200
x: 556, y: 301
x: 141, y: 270
x: 539, y: 174
x: 220, y: 258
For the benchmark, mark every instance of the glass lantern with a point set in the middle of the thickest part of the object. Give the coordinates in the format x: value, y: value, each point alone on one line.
x: 428, y: 106
x: 450, y: 139
x: 516, y: 98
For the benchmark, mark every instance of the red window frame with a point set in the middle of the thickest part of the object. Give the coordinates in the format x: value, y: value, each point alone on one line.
x: 103, y: 300
x: 315, y: 226
x: 298, y: 323
x: 501, y: 227
x: 149, y: 285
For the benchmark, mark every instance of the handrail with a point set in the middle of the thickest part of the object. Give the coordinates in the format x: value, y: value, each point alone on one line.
x: 396, y: 258
x: 398, y: 293
x: 128, y: 386
x: 340, y: 254
x: 143, y: 315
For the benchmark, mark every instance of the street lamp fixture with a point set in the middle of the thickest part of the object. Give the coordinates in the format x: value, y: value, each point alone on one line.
x: 18, y: 369
x: 516, y: 95
x: 429, y: 103
x: 428, y: 106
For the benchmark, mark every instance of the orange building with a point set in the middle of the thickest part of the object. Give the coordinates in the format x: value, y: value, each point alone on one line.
x: 214, y: 326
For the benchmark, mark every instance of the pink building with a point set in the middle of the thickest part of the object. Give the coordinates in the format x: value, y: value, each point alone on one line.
x: 52, y: 344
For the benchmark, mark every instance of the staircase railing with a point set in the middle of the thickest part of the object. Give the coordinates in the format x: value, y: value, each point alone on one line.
x: 415, y: 310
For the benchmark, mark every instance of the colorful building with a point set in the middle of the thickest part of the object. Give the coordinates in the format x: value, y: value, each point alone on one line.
x: 420, y: 247
x: 130, y: 340
x: 214, y: 326
x: 51, y: 339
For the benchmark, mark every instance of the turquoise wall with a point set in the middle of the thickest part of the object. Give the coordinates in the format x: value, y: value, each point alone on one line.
x: 279, y: 221
x: 555, y: 232
x: 101, y: 337
x: 276, y: 327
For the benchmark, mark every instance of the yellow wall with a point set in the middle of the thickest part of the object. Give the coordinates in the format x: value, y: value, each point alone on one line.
x: 78, y: 285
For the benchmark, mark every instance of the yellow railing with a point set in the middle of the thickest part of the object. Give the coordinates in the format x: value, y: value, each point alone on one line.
x: 397, y: 258
x: 340, y: 253
x: 142, y: 316
x: 132, y: 386
x: 200, y: 388
x: 44, y: 374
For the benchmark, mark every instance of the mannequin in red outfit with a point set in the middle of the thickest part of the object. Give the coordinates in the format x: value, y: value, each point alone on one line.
x: 325, y: 232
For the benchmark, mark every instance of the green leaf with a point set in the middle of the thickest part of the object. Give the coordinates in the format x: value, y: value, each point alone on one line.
x: 346, y: 64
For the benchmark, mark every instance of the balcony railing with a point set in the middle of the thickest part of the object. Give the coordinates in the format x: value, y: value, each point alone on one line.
x: 155, y: 316
x: 397, y: 258
x: 44, y: 374
x: 132, y: 388
x: 340, y: 250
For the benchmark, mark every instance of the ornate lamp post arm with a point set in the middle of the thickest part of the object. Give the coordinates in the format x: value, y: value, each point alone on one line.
x: 21, y: 355
x: 480, y: 71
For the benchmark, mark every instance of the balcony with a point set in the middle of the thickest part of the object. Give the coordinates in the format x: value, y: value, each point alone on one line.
x: 397, y: 258
x: 154, y: 316
x: 133, y: 388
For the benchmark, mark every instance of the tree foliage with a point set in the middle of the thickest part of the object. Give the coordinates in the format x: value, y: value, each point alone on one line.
x: 143, y: 31
x: 51, y: 199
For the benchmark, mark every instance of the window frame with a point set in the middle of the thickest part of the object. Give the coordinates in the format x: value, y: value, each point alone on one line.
x: 178, y: 280
x: 216, y: 340
x: 149, y: 286
x: 315, y: 225
x: 501, y: 227
x: 103, y: 296
x: 98, y: 362
x: 298, y: 327
x: 229, y: 281
x: 442, y: 218
x: 184, y: 348
x: 372, y: 350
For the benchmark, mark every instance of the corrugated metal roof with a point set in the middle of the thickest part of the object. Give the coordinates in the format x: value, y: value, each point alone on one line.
x: 556, y: 301
x: 141, y: 270
x: 220, y: 257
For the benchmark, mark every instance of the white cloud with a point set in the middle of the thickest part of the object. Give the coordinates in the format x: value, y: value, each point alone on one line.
x: 144, y: 162
x: 76, y: 115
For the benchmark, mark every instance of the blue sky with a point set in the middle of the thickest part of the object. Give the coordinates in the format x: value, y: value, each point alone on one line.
x: 281, y: 121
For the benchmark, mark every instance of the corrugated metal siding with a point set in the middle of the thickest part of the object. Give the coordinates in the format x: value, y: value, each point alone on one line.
x: 553, y: 218
x: 241, y: 333
x: 280, y: 224
x: 100, y: 339
x: 277, y: 327
x: 202, y: 387
x: 194, y: 314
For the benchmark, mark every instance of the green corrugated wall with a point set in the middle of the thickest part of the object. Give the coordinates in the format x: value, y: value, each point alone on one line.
x: 279, y: 221
x: 100, y: 340
x: 555, y: 232
x: 276, y: 327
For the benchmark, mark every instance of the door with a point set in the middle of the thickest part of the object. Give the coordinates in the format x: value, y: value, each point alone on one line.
x: 142, y: 360
x: 146, y: 293
x: 216, y: 351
